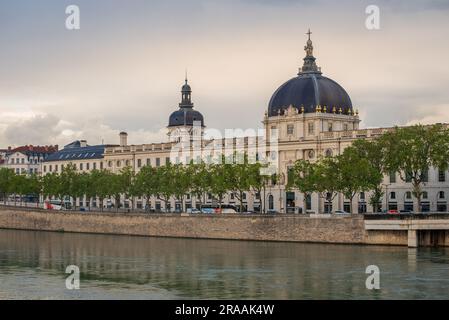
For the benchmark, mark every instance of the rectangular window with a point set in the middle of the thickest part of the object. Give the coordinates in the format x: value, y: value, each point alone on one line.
x: 345, y: 127
x: 148, y: 162
x: 425, y: 176
x: 441, y: 176
x: 56, y: 168
x: 87, y: 166
x: 273, y: 131
x: 101, y: 165
x: 167, y: 160
x: 408, y: 177
x: 94, y: 166
x: 311, y: 128
x: 81, y: 166
x: 330, y: 127
x: 45, y: 168
x: 392, y: 177
x: 50, y: 168
x: 290, y: 129
x: 158, y: 162
x: 139, y: 163
x: 392, y: 195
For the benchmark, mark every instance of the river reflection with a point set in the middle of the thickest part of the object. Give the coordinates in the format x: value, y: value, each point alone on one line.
x: 32, y: 266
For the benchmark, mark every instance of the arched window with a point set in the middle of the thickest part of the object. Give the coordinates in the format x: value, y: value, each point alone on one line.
x: 270, y: 202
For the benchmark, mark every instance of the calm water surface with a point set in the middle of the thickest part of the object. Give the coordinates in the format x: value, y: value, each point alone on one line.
x: 32, y: 266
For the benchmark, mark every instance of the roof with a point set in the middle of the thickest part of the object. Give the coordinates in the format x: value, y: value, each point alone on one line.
x: 309, y: 90
x: 185, y: 117
x: 71, y: 152
x: 34, y: 149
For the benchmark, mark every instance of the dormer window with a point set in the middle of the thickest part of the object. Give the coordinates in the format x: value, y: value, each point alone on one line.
x: 290, y: 129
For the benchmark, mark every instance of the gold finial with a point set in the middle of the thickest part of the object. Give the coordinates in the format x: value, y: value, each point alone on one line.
x: 334, y: 110
x: 324, y: 109
x: 302, y: 109
x: 318, y: 109
x: 356, y: 112
x: 340, y: 110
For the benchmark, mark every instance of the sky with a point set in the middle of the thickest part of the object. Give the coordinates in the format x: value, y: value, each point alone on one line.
x: 124, y: 68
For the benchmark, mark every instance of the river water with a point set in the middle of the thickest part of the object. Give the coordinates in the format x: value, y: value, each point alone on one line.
x: 33, y: 264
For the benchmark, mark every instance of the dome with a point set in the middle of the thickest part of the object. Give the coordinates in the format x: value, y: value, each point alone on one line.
x: 309, y: 90
x: 185, y: 117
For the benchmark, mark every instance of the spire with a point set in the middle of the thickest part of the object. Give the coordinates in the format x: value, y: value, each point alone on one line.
x: 309, y: 65
x: 186, y: 95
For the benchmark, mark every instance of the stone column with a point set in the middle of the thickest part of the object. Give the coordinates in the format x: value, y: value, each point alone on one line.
x: 412, y: 238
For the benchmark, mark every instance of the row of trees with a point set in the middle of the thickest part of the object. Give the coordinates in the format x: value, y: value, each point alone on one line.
x: 408, y: 151
x: 164, y: 183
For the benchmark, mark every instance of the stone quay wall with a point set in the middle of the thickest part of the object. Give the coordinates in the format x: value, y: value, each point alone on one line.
x: 288, y: 228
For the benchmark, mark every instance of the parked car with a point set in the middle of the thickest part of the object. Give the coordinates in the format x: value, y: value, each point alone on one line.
x: 405, y: 211
x: 341, y: 212
x: 271, y: 211
x: 393, y: 211
x: 228, y: 210
x: 207, y: 210
x: 193, y: 211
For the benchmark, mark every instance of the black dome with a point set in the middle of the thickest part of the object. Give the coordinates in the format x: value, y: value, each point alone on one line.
x: 309, y: 90
x: 185, y: 117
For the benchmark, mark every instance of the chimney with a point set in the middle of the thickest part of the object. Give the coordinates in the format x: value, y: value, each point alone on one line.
x: 123, y: 139
x: 83, y: 143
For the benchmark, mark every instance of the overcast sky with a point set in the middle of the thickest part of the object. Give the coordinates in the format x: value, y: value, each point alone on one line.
x: 124, y: 68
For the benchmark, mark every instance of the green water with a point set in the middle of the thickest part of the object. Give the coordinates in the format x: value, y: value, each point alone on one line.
x: 32, y: 266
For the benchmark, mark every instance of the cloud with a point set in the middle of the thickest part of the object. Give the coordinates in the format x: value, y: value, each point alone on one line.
x: 439, y: 114
x: 35, y: 130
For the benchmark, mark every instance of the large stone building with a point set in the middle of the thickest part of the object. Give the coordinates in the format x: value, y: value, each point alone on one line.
x: 26, y: 159
x: 310, y: 115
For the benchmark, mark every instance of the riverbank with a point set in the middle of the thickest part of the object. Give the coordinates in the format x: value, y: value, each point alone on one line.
x: 286, y: 228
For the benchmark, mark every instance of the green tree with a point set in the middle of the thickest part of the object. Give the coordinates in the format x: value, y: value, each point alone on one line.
x: 413, y: 150
x: 69, y: 184
x: 218, y: 181
x: 51, y: 186
x: 356, y: 174
x: 164, y: 177
x: 372, y: 150
x: 326, y: 179
x: 238, y: 174
x: 201, y: 182
x: 181, y: 183
x: 6, y: 182
x: 100, y: 184
x: 304, y: 178
x: 146, y: 183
